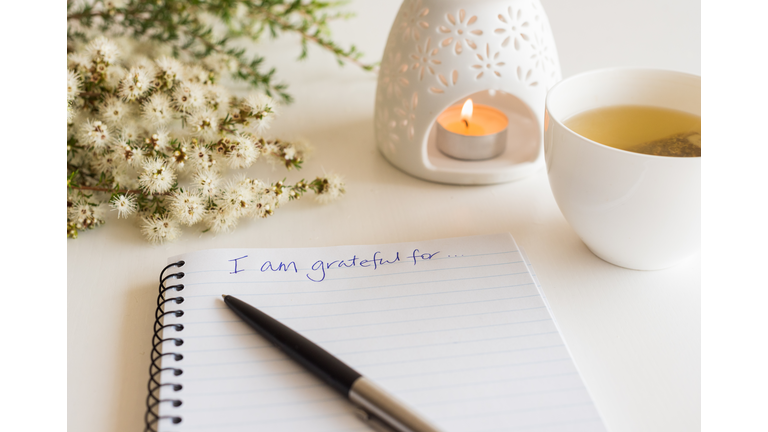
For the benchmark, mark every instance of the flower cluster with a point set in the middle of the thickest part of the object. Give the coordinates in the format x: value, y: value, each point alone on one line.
x: 210, y: 33
x: 161, y: 140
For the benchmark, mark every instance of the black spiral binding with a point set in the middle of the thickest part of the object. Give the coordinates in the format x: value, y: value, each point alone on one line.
x: 151, y: 417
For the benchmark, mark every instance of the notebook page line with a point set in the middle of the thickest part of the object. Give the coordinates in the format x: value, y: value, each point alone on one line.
x: 192, y: 284
x: 310, y: 329
x: 431, y: 345
x: 399, y: 262
x: 426, y: 359
x: 325, y: 399
x: 378, y: 298
x: 391, y: 377
x: 299, y: 329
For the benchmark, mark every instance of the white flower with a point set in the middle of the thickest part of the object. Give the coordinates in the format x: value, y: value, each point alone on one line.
x: 159, y: 140
x: 102, y: 50
x: 129, y: 132
x: 136, y: 82
x: 195, y: 74
x: 206, y: 182
x: 79, y: 61
x: 287, y: 154
x: 157, y: 176
x: 221, y: 219
x: 237, y: 198
x: 98, y: 213
x: 179, y: 155
x: 242, y: 153
x: 203, y: 123
x: 169, y: 68
x: 257, y: 102
x: 202, y: 158
x: 146, y: 64
x: 73, y: 84
x: 217, y: 97
x: 125, y: 205
x: 189, y: 97
x: 113, y: 111
x: 331, y: 188
x: 105, y: 161
x: 290, y: 153
x: 73, y: 115
x: 84, y: 215
x: 273, y: 153
x: 262, y: 108
x: 124, y: 179
x: 157, y: 109
x: 262, y: 199
x: 265, y: 205
x: 95, y: 133
x: 159, y: 229
x: 115, y: 75
x: 126, y: 149
x: 187, y: 207
x: 283, y: 198
x: 256, y: 186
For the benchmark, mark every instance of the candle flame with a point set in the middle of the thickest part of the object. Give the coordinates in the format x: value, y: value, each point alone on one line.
x: 466, y: 110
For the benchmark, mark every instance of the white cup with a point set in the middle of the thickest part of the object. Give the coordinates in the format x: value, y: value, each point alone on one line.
x: 633, y: 210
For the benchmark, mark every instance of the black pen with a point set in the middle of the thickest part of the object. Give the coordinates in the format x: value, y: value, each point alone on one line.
x: 377, y: 407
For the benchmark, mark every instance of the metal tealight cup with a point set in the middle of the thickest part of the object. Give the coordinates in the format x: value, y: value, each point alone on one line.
x: 471, y: 147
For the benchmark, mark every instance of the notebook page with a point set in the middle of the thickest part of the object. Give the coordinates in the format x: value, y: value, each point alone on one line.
x: 456, y: 328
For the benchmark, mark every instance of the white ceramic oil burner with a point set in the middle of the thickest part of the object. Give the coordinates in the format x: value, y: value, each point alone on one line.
x: 500, y: 54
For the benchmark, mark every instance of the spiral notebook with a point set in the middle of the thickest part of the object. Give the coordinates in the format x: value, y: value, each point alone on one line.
x: 456, y: 328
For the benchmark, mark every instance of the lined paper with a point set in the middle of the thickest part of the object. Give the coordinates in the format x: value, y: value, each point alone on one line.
x: 456, y: 328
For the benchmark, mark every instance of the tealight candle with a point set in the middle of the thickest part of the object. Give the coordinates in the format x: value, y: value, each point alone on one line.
x: 472, y: 132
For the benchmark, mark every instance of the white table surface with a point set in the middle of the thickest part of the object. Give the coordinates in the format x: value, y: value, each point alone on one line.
x: 635, y: 336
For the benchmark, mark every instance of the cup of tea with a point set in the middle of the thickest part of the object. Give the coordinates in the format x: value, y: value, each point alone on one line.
x: 623, y: 154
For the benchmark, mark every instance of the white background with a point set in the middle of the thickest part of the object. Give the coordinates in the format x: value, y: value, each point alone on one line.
x: 634, y: 335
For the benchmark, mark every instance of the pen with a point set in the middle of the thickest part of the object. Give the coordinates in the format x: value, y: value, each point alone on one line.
x: 377, y: 407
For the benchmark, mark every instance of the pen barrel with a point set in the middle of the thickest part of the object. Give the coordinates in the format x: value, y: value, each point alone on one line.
x: 377, y: 402
x: 333, y: 371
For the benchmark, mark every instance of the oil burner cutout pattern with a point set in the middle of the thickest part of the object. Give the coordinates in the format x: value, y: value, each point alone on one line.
x: 441, y: 52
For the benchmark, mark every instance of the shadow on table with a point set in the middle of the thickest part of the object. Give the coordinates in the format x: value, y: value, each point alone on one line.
x: 350, y: 149
x: 135, y: 346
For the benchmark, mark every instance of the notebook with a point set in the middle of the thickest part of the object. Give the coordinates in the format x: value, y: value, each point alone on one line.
x: 456, y: 328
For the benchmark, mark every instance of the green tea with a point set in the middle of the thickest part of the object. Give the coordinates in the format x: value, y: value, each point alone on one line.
x: 641, y: 129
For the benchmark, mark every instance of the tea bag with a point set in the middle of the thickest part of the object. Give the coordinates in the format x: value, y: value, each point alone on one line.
x: 687, y: 144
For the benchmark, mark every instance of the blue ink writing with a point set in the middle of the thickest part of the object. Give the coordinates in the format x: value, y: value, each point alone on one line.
x: 280, y: 267
x: 235, y: 260
x: 424, y: 256
x: 319, y: 267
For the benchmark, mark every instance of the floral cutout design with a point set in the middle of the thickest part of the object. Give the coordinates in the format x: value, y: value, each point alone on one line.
x: 411, y: 20
x: 424, y: 58
x: 391, y: 72
x: 459, y: 31
x: 407, y: 114
x: 526, y: 77
x: 386, y: 130
x: 540, y: 56
x: 445, y: 81
x: 488, y: 62
x: 536, y: 20
x: 516, y: 28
